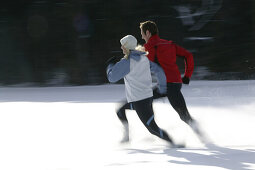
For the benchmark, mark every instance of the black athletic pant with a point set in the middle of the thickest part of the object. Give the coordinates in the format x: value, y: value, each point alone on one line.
x: 177, y: 101
x: 175, y: 98
x: 145, y: 112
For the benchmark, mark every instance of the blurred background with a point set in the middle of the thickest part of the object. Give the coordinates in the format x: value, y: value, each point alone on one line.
x: 66, y: 42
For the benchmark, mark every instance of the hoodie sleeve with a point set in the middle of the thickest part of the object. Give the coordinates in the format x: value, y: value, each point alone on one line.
x: 117, y: 71
x: 189, y: 63
x: 160, y: 76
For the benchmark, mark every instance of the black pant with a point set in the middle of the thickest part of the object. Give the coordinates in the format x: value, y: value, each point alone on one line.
x: 177, y: 101
x: 175, y: 98
x: 145, y: 112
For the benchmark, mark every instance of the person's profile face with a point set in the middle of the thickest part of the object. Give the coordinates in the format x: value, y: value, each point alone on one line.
x: 146, y: 36
x: 124, y: 50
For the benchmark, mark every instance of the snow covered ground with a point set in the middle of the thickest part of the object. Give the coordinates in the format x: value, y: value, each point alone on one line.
x: 73, y: 128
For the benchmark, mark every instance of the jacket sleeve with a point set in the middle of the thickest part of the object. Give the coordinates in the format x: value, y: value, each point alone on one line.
x: 117, y: 71
x: 189, y: 62
x: 160, y: 77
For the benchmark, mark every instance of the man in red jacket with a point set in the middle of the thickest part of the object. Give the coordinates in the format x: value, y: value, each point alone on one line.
x: 165, y: 54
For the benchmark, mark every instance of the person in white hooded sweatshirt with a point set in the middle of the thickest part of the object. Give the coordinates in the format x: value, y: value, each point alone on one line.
x: 134, y: 67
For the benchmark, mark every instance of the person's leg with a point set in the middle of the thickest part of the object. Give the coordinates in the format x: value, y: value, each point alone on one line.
x: 177, y: 101
x: 121, y: 110
x: 121, y: 113
x: 145, y: 113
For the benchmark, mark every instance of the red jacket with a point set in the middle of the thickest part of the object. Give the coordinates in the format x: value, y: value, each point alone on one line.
x: 166, y: 54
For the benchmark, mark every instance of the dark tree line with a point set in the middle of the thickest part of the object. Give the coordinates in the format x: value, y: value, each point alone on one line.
x: 66, y: 42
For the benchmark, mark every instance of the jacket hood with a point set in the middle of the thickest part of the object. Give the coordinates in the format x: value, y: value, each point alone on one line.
x: 136, y: 55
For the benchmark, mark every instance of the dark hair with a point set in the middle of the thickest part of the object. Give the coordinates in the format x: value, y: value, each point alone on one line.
x: 150, y: 26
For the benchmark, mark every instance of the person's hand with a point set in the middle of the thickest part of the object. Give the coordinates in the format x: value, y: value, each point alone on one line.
x: 185, y: 80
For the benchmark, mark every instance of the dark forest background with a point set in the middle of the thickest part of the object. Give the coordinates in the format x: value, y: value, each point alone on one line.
x: 66, y: 42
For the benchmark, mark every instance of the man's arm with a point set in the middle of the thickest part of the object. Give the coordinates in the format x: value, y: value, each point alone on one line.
x: 189, y: 62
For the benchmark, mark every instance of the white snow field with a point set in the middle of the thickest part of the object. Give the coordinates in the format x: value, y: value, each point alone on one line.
x: 76, y: 128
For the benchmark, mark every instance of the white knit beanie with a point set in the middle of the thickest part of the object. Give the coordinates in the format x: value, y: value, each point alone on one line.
x: 129, y: 42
